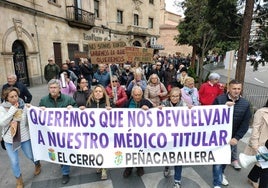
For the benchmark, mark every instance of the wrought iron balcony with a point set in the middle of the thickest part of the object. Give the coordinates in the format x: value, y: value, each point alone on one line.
x: 79, y: 18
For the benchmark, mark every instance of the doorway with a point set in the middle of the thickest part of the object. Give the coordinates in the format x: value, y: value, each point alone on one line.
x: 20, y: 63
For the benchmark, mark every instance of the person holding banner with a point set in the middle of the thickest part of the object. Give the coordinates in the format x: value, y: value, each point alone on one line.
x: 241, y: 118
x: 15, y: 132
x: 258, y: 138
x: 174, y: 100
x: 55, y: 99
x: 155, y: 90
x: 99, y: 99
x: 136, y: 101
x: 116, y: 92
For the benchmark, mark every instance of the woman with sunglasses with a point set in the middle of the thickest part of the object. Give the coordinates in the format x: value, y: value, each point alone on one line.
x: 116, y: 93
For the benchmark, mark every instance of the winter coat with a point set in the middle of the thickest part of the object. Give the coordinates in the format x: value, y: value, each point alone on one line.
x: 102, y: 78
x: 208, y: 93
x: 121, y: 95
x: 81, y: 97
x: 61, y: 102
x: 241, y: 116
x: 152, y: 92
x: 7, y: 112
x: 259, y: 133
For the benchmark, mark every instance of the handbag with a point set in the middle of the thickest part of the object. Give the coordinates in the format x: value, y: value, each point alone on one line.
x: 2, y: 140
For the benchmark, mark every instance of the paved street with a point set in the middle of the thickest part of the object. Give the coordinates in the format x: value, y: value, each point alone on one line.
x: 50, y: 177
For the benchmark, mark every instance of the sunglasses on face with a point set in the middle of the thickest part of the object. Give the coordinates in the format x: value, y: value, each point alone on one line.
x: 115, y: 81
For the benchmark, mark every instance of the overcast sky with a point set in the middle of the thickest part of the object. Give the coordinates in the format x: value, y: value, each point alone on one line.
x: 171, y: 8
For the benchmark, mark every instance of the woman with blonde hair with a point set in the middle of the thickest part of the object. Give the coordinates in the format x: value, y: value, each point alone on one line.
x: 99, y: 99
x: 189, y: 93
x: 155, y: 90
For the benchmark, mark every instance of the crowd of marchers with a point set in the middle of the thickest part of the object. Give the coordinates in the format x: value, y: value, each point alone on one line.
x: 159, y: 84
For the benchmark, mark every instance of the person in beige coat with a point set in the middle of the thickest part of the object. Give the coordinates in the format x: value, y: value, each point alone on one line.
x: 155, y: 90
x: 258, y: 138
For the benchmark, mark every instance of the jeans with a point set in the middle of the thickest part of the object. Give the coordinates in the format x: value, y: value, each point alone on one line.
x: 65, y: 169
x: 234, y: 153
x: 14, y: 156
x: 218, y: 170
x: 177, y: 174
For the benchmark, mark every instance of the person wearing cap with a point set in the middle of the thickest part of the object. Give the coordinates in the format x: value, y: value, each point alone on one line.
x: 211, y: 89
x: 51, y: 70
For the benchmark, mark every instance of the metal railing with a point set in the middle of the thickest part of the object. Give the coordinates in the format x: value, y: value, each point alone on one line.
x: 80, y: 15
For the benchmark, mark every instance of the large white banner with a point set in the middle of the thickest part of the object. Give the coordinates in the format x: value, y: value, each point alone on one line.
x: 125, y: 137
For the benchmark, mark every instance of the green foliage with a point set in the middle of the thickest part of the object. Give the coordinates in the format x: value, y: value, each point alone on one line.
x: 210, y: 24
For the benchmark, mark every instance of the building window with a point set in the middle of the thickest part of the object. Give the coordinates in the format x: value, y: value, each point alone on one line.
x: 136, y: 19
x: 54, y: 2
x: 119, y: 16
x: 150, y: 23
x: 96, y: 8
x: 151, y: 1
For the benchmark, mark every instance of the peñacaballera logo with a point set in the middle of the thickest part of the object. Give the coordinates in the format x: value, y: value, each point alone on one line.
x: 118, y: 158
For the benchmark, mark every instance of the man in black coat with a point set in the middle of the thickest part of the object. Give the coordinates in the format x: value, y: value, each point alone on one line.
x: 25, y: 94
x: 241, y: 119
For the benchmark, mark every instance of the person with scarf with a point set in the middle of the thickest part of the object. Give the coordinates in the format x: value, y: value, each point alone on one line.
x: 189, y: 93
x: 174, y: 100
x: 15, y: 132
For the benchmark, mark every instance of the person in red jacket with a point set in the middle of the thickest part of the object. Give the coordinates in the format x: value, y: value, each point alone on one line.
x: 210, y: 89
x: 116, y: 92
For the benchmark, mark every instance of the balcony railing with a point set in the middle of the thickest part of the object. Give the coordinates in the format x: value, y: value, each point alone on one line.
x: 79, y: 18
x: 137, y: 29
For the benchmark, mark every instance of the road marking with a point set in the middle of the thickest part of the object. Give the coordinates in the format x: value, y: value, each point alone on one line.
x: 259, y: 80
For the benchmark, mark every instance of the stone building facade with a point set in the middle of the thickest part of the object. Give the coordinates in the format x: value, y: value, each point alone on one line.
x: 33, y: 30
x: 168, y: 30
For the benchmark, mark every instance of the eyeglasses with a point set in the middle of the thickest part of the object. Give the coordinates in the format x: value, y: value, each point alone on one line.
x: 158, y: 65
x: 83, y: 82
x: 175, y: 96
x: 115, y: 81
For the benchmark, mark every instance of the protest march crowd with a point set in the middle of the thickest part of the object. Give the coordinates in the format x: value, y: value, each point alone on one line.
x: 162, y: 84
